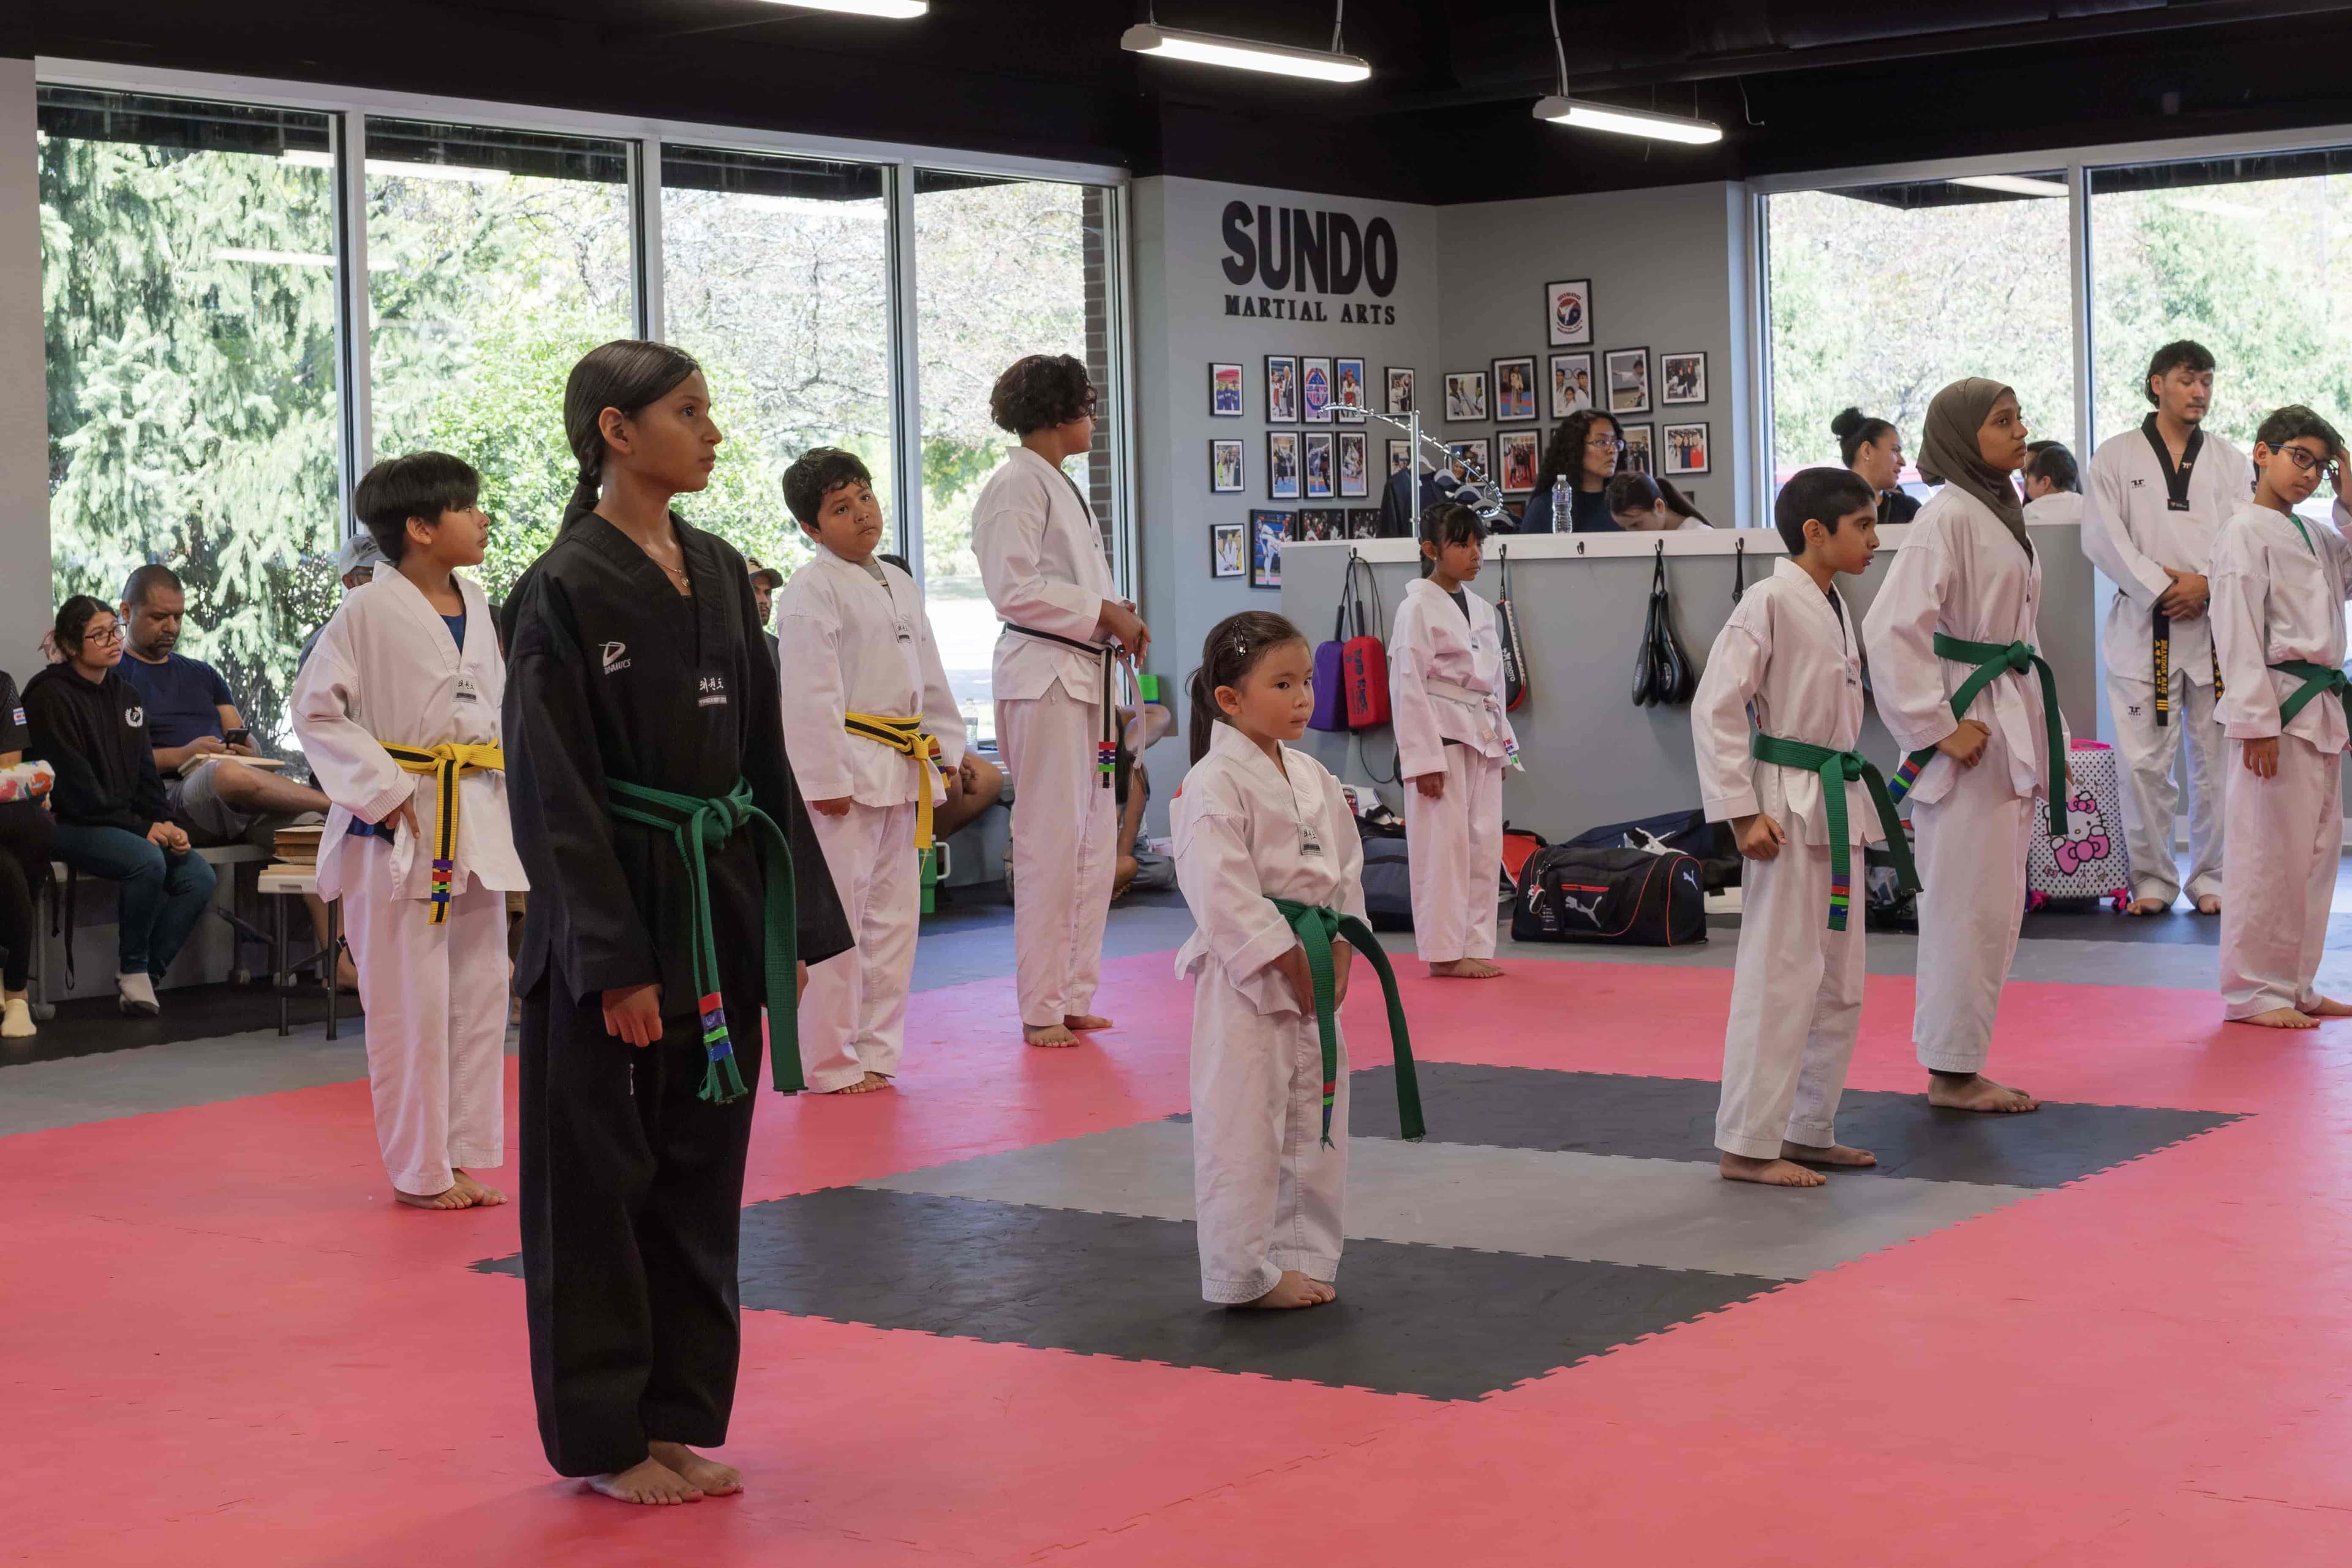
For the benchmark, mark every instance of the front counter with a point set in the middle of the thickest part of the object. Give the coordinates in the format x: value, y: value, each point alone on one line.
x: 1592, y: 757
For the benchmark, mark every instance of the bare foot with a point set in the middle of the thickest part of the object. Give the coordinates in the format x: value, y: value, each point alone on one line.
x: 482, y: 1196
x: 1295, y: 1290
x: 1771, y: 1173
x: 647, y: 1482
x: 347, y: 974
x: 2147, y: 907
x: 2328, y: 1007
x: 1079, y: 1023
x: 2278, y: 1018
x: 866, y: 1085
x: 1827, y: 1155
x: 703, y: 1473
x: 2210, y: 904
x: 1465, y: 969
x: 1979, y: 1093
x: 454, y: 1196
x: 1052, y: 1036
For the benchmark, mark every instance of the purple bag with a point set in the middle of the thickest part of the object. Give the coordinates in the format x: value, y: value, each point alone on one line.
x: 1330, y: 694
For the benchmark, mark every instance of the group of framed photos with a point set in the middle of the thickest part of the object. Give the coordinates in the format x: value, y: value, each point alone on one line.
x: 1304, y: 389
x: 1569, y: 387
x: 1308, y: 389
x: 1509, y: 458
x: 1254, y: 549
x: 1316, y: 465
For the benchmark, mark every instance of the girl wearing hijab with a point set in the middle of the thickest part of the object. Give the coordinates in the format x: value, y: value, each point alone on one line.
x: 1950, y: 645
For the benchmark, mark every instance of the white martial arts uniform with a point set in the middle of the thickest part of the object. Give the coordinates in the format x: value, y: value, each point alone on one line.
x: 2278, y: 595
x: 1961, y: 572
x: 1041, y: 561
x: 2058, y: 506
x: 1445, y: 684
x: 1267, y: 1194
x: 2132, y: 533
x: 851, y: 643
x: 385, y: 670
x: 1791, y: 650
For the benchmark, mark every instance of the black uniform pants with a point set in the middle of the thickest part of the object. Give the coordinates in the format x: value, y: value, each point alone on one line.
x: 632, y: 1195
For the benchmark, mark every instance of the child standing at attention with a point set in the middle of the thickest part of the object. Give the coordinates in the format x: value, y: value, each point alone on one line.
x: 2279, y: 583
x: 1802, y: 802
x: 398, y: 711
x: 875, y: 743
x: 1257, y: 821
x: 1445, y: 684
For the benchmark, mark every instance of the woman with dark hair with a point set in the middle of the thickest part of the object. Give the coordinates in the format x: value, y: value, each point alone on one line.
x: 1874, y: 450
x: 89, y: 725
x: 653, y: 807
x: 1041, y: 558
x: 25, y: 836
x: 1644, y: 504
x: 1585, y: 451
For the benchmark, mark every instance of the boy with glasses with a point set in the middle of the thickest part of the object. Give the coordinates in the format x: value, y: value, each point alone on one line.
x: 2279, y: 583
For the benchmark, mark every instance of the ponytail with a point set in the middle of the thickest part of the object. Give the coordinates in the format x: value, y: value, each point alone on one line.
x: 1679, y: 503
x: 1205, y: 713
x: 583, y: 498
x: 1233, y: 649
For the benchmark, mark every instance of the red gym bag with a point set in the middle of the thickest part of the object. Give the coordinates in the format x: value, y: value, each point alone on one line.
x: 1364, y: 659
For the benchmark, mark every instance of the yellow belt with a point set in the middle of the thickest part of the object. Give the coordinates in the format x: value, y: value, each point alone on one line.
x: 905, y: 737
x: 446, y: 763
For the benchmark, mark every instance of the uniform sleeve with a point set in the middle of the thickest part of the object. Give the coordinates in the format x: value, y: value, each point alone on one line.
x: 2248, y: 707
x: 349, y: 765
x: 1905, y: 676
x: 2330, y: 539
x: 559, y: 806
x: 943, y: 719
x: 1734, y: 670
x: 808, y: 639
x: 823, y: 929
x: 1008, y: 534
x: 2109, y: 543
x: 1244, y: 931
x: 1350, y: 849
x: 1421, y: 747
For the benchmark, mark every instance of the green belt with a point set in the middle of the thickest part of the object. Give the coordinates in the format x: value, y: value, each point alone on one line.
x: 695, y: 825
x: 1315, y: 926
x: 1839, y: 769
x: 1992, y: 660
x: 2316, y: 679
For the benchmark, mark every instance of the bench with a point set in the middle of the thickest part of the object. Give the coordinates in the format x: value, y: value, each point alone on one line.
x: 222, y: 858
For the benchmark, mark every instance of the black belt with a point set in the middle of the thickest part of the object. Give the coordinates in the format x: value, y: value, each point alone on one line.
x: 1105, y: 748
x: 2163, y: 669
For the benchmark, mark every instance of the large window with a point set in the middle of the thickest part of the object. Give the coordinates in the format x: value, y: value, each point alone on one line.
x: 495, y: 258
x: 776, y: 276
x: 1883, y: 294
x: 188, y: 282
x: 1004, y: 269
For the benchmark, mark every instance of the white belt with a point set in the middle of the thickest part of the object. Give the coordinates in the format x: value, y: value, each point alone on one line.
x: 1489, y: 705
x: 1437, y: 687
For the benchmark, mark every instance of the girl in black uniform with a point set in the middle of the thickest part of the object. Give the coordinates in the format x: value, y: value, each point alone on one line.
x: 652, y: 808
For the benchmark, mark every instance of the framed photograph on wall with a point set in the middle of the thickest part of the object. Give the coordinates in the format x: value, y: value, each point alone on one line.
x: 1364, y: 524
x: 1682, y: 378
x: 1628, y: 381
x: 1348, y: 391
x: 1400, y: 453
x: 1465, y: 396
x: 1228, y: 548
x: 1400, y: 380
x: 1281, y: 465
x: 1225, y: 391
x: 1567, y: 312
x: 1355, y: 464
x: 1467, y: 453
x: 1685, y: 449
x: 1225, y: 467
x: 1321, y: 523
x: 1315, y: 390
x: 1320, y: 479
x: 1267, y: 531
x: 1282, y: 389
x: 1571, y: 385
x: 1636, y: 458
x: 1517, y: 453
x: 1514, y: 391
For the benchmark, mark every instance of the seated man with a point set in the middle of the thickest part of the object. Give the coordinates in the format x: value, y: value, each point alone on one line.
x: 189, y: 715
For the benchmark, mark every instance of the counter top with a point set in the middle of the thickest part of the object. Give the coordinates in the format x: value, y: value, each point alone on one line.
x: 1606, y: 546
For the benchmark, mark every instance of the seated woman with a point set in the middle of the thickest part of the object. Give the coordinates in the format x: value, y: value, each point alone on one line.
x: 87, y: 724
x: 1874, y: 448
x: 1639, y: 503
x: 1585, y: 450
x: 25, y: 836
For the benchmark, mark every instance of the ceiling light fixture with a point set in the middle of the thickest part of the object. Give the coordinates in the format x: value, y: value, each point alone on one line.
x: 1584, y: 116
x: 2010, y: 185
x: 889, y: 10
x: 1247, y: 54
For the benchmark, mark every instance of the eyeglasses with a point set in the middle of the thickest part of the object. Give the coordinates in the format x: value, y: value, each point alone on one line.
x: 2303, y: 461
x: 1607, y: 444
x: 111, y: 635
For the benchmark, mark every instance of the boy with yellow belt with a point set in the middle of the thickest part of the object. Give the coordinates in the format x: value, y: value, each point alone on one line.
x: 875, y: 743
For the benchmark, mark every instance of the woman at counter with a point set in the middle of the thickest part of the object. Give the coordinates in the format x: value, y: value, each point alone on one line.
x: 1874, y: 448
x: 1585, y: 451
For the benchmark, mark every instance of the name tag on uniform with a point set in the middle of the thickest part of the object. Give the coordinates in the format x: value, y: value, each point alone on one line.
x: 469, y: 689
x: 1308, y: 842
x: 714, y: 692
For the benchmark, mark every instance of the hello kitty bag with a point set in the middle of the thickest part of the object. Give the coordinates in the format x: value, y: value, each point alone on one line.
x: 2091, y: 862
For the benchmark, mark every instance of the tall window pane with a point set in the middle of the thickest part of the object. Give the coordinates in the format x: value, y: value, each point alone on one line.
x: 1002, y: 268
x: 776, y: 276
x: 2245, y: 256
x: 188, y: 281
x: 1882, y: 295
x: 495, y: 258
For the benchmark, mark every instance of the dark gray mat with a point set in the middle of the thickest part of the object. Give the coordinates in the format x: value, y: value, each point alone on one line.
x: 1674, y: 1118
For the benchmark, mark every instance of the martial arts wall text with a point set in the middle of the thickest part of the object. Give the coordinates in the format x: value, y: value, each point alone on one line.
x: 1290, y: 251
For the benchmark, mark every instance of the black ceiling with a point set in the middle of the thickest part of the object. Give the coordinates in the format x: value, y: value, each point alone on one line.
x: 1797, y: 84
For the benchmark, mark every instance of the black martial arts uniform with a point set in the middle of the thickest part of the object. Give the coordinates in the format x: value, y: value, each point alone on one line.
x: 633, y: 1186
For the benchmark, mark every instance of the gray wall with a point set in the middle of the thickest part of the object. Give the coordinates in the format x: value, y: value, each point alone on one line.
x: 24, y: 608
x: 1591, y: 756
x: 1667, y: 269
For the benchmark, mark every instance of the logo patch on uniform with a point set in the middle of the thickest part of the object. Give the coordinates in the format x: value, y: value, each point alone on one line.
x: 2134, y: 710
x: 2137, y: 483
x: 135, y: 717
x: 469, y: 689
x: 714, y: 692
x: 616, y: 656
x: 20, y: 717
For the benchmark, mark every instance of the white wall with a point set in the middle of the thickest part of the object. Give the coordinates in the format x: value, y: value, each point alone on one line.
x: 24, y: 608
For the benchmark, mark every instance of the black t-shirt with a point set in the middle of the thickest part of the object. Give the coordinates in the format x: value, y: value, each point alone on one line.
x: 1460, y: 598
